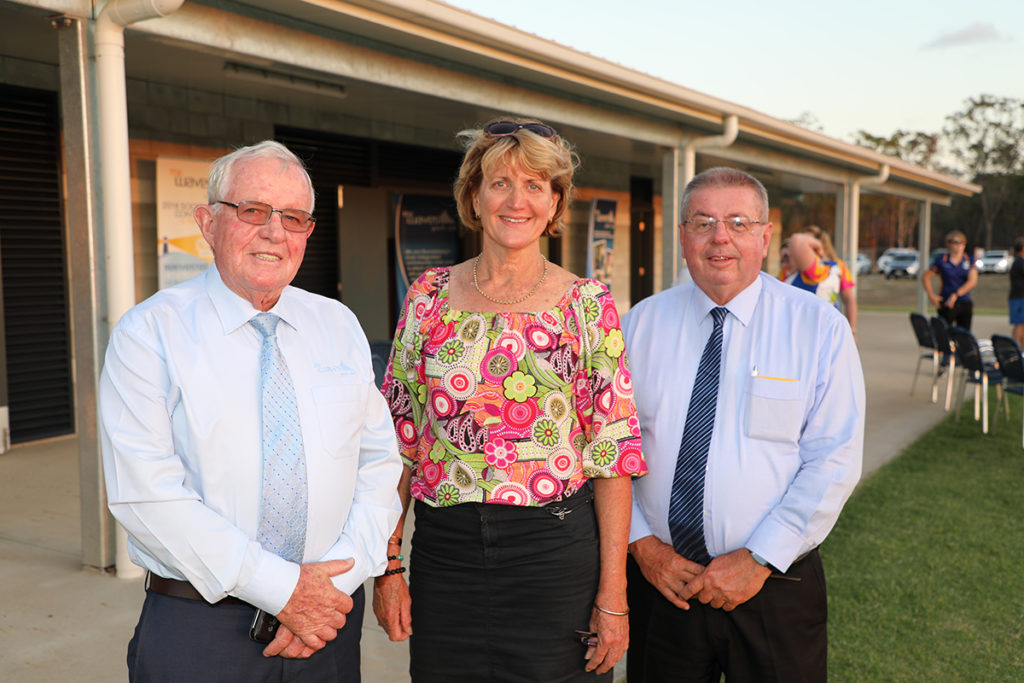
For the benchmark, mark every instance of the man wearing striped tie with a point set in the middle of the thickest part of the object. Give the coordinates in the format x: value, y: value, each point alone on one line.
x: 750, y: 396
x: 247, y: 451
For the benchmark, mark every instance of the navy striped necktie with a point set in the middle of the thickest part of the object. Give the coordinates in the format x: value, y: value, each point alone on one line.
x: 686, y: 505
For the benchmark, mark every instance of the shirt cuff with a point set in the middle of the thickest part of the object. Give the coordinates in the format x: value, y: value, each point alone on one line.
x: 776, y: 544
x: 638, y: 527
x: 270, y: 583
x: 350, y: 581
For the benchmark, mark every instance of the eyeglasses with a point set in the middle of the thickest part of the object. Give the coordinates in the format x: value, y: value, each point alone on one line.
x: 738, y: 225
x: 259, y: 213
x: 954, y: 242
x: 499, y: 129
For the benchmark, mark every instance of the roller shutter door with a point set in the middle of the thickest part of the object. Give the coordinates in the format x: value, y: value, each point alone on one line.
x: 32, y: 265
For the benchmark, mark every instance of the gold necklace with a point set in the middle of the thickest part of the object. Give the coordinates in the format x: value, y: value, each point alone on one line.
x: 503, y: 302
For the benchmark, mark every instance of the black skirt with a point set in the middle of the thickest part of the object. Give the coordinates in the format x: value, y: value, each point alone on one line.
x: 497, y: 591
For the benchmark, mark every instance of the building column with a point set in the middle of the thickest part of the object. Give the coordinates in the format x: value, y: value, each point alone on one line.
x: 86, y: 274
x: 671, y: 193
x: 924, y: 241
x: 844, y: 229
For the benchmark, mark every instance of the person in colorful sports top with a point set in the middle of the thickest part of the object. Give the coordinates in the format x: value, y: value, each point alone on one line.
x: 825, y: 250
x: 826, y: 278
x: 513, y: 404
x: 958, y: 275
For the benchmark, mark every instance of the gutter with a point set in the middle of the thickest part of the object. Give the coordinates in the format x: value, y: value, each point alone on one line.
x: 730, y: 130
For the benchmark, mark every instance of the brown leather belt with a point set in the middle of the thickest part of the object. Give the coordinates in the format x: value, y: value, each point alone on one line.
x: 184, y: 589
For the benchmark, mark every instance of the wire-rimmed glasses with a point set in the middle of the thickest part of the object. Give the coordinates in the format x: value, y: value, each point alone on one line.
x: 260, y: 213
x: 703, y: 225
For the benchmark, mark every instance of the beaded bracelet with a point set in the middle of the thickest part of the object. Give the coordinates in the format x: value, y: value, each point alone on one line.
x: 608, y: 611
x: 396, y: 570
x: 396, y: 557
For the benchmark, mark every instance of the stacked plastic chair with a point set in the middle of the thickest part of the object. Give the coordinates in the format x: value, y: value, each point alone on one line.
x: 944, y: 345
x: 926, y: 350
x: 1011, y: 367
x: 974, y: 371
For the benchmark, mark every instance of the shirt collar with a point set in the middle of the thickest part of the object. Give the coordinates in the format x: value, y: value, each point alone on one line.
x: 234, y: 311
x: 742, y: 305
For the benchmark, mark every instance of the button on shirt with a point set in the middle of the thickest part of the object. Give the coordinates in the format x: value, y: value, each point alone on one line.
x: 180, y: 426
x: 789, y: 428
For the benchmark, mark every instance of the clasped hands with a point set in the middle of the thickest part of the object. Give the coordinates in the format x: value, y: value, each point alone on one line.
x: 726, y: 583
x: 314, y: 613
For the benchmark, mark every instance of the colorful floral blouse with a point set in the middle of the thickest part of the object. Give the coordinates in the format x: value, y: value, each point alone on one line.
x: 517, y: 408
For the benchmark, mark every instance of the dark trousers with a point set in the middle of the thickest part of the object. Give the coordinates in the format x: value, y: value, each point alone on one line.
x: 189, y: 641
x: 497, y: 591
x: 778, y: 635
x: 959, y: 315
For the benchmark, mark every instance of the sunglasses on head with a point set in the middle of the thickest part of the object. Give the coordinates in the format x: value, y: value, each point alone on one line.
x: 498, y: 129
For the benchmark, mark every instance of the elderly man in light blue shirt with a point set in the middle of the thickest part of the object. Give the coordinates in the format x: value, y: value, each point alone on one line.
x: 246, y: 449
x: 745, y: 596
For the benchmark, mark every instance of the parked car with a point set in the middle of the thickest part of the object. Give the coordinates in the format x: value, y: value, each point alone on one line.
x: 883, y: 260
x: 994, y: 261
x: 863, y: 264
x: 903, y: 264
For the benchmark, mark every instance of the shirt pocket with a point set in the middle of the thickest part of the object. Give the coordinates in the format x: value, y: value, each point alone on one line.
x: 773, y: 409
x: 341, y: 411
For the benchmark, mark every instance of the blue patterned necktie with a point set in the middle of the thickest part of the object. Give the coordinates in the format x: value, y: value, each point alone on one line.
x: 686, y: 506
x: 282, y: 528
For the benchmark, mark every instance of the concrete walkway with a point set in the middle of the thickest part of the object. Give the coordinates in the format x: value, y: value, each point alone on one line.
x: 61, y: 622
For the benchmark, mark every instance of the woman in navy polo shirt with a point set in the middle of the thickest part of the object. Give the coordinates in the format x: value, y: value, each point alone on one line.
x: 1017, y: 291
x: 958, y: 275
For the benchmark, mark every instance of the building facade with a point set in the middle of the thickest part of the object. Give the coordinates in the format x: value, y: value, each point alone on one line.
x: 95, y: 95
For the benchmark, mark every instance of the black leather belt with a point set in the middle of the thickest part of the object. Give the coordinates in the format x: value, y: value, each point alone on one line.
x: 184, y: 589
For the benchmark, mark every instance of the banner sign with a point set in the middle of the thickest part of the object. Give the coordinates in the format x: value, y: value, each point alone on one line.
x: 181, y: 250
x: 601, y: 239
x: 426, y: 236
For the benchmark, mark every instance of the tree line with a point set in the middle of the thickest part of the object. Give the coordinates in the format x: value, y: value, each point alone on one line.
x: 982, y: 143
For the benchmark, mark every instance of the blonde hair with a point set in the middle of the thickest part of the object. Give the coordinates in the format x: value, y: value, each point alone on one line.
x: 828, y: 251
x: 549, y: 158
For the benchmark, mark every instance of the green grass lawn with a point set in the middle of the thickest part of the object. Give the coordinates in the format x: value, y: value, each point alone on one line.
x: 926, y: 564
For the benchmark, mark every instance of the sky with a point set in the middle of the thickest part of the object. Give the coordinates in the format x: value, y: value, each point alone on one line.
x: 874, y: 65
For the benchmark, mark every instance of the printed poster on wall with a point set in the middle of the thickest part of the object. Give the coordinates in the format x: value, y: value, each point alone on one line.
x: 182, y: 252
x: 601, y: 239
x: 426, y: 236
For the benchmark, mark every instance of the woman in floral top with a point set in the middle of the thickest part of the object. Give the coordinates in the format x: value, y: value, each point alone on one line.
x: 511, y: 396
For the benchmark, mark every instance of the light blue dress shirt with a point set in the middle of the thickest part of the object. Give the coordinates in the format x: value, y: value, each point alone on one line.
x: 789, y: 427
x: 180, y: 427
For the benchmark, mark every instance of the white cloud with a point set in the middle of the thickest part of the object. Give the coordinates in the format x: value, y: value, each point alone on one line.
x: 978, y: 32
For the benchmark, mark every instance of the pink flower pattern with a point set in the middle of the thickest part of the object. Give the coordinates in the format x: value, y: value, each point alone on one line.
x: 508, y: 449
x: 500, y: 453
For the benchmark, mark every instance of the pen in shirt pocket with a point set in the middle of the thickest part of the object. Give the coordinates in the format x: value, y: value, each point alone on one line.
x: 754, y: 373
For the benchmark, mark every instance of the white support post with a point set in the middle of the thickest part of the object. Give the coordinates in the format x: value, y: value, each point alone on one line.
x: 924, y: 241
x: 115, y: 173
